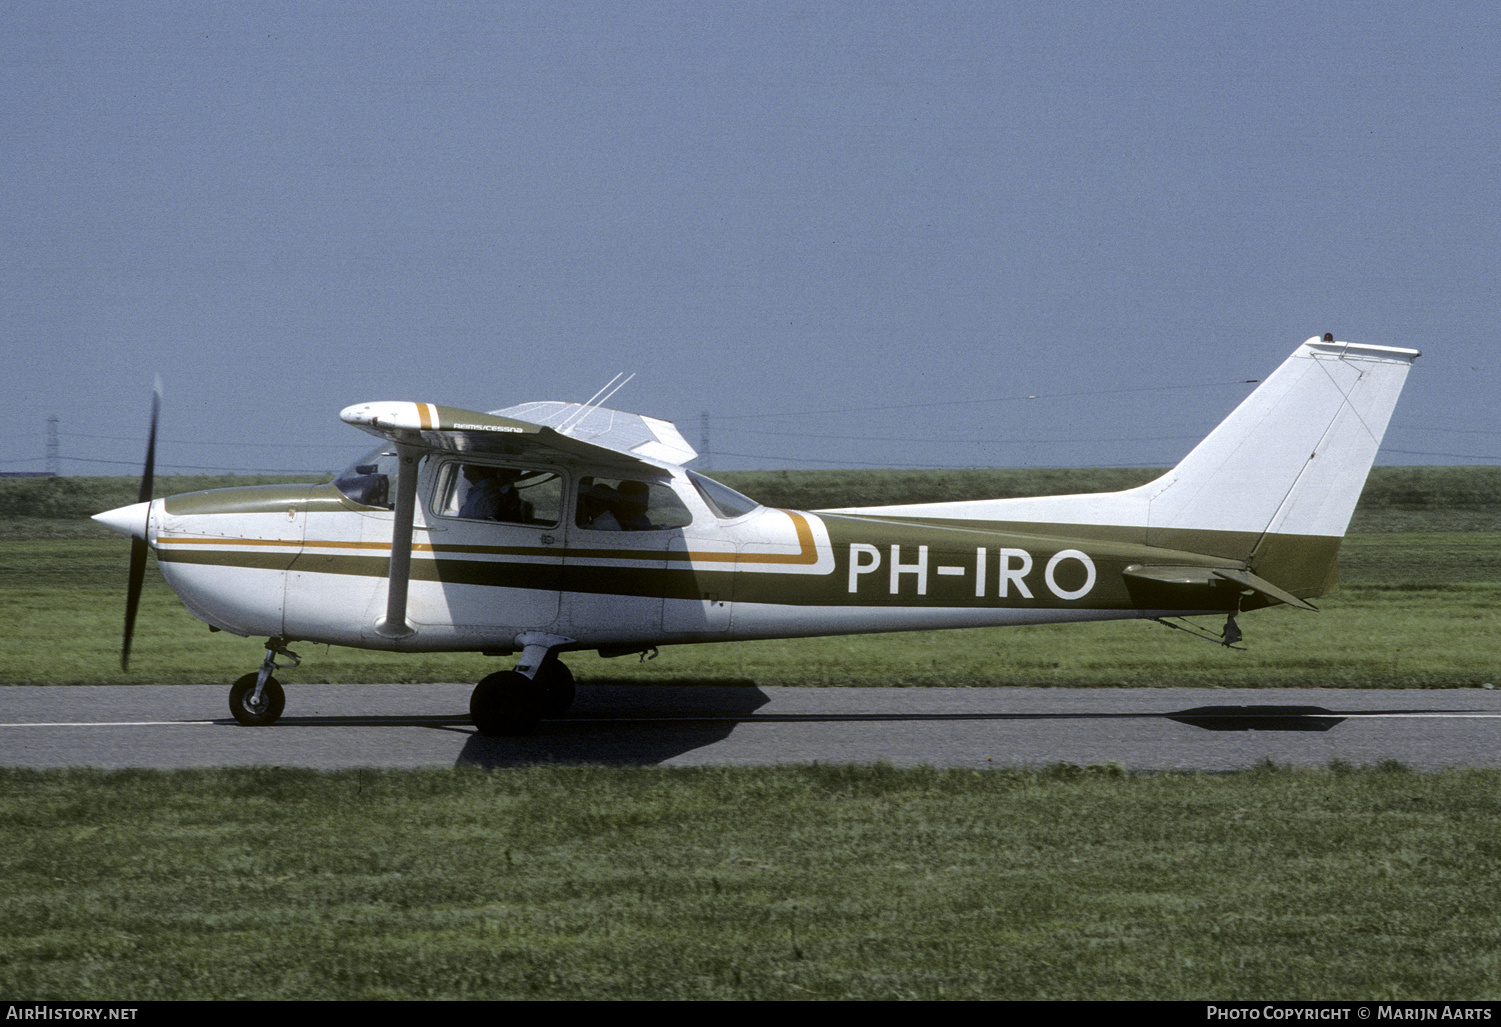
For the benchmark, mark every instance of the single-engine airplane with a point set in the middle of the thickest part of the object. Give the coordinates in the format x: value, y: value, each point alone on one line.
x: 551, y: 527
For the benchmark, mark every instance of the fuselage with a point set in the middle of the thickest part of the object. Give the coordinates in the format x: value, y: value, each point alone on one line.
x: 310, y: 562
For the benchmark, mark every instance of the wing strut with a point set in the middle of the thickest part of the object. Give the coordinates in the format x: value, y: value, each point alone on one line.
x: 394, y: 624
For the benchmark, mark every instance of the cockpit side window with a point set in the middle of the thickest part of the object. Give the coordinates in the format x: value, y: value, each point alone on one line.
x: 614, y: 504
x: 514, y: 495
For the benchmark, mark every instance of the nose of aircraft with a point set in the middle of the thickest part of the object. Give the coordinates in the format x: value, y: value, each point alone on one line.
x: 127, y: 520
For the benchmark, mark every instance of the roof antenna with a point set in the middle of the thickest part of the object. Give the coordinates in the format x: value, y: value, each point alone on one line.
x: 616, y: 388
x: 600, y: 397
x: 584, y: 406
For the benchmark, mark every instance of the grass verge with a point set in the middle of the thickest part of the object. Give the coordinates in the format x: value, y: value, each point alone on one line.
x: 722, y: 883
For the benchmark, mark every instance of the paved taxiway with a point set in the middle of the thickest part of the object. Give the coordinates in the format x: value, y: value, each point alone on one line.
x: 334, y: 726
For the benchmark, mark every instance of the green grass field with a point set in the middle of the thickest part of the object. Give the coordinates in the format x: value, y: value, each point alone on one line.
x: 812, y: 882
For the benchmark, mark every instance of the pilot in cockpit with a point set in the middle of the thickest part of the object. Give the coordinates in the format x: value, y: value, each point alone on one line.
x: 492, y: 494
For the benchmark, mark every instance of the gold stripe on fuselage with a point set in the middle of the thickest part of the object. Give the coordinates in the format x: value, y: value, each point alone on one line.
x: 807, y: 554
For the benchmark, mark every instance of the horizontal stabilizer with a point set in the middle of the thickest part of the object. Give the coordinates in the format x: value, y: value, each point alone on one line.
x: 1200, y: 578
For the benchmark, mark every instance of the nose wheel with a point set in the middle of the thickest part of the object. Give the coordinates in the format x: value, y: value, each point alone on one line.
x: 256, y: 700
x: 256, y: 710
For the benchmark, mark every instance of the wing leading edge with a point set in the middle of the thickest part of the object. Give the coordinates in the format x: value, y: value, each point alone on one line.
x: 547, y: 430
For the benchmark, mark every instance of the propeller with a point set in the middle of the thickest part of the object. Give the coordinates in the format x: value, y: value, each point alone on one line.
x: 138, y: 546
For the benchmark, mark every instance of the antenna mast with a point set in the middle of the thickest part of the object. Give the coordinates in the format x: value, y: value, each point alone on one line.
x: 54, y: 463
x: 596, y: 400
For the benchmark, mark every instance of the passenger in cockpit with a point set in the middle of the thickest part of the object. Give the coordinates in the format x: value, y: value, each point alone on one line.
x: 630, y: 509
x: 596, y: 508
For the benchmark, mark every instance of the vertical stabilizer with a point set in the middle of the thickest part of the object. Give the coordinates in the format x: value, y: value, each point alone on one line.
x: 1293, y: 457
x: 1274, y: 485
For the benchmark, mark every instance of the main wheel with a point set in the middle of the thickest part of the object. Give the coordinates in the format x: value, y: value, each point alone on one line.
x: 273, y: 699
x: 557, y: 688
x: 506, y: 703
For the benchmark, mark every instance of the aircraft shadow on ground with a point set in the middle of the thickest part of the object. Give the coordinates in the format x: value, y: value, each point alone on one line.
x: 1287, y: 718
x: 625, y: 725
x: 1258, y: 718
x: 636, y: 726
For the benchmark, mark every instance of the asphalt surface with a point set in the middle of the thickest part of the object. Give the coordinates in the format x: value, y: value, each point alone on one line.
x: 384, y: 725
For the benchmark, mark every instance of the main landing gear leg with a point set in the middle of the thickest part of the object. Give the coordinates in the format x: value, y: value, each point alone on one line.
x: 256, y: 699
x: 512, y: 702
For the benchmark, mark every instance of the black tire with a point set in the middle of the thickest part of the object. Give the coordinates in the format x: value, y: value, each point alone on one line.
x: 273, y: 700
x: 506, y: 703
x: 557, y: 688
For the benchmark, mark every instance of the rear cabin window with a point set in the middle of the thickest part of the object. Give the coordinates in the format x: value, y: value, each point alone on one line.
x: 617, y: 504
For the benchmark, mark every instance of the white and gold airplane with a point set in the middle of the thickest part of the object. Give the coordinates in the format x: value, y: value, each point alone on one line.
x: 551, y: 527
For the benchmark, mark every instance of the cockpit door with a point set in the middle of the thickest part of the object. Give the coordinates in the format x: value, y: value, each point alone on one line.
x: 617, y: 572
x: 488, y: 560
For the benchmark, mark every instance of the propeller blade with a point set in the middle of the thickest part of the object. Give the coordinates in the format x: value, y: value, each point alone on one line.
x: 149, y: 474
x: 138, y: 546
x: 138, y: 549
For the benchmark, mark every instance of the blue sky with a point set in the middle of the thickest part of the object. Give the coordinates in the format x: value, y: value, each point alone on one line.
x: 851, y: 235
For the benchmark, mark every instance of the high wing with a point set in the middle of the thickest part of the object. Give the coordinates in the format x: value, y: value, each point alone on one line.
x: 646, y: 437
x: 556, y: 431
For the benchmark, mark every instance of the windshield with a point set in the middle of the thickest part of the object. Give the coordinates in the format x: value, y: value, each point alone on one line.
x: 723, y: 500
x: 368, y: 480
